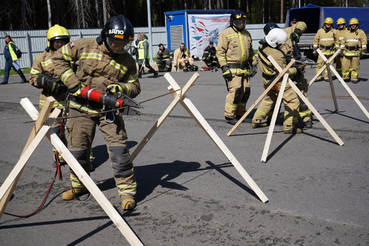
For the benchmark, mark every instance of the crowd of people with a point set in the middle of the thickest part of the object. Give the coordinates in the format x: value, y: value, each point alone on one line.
x: 104, y: 64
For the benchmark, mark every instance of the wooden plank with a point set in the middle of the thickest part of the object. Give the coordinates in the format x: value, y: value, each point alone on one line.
x: 274, y: 119
x: 311, y: 107
x: 9, y: 184
x: 260, y: 98
x: 37, y: 126
x: 169, y: 109
x: 327, y: 64
x: 95, y: 191
x: 352, y: 94
x: 201, y: 121
x: 119, y: 222
x: 324, y: 67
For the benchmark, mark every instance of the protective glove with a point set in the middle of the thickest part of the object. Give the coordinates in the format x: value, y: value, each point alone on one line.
x: 254, y: 70
x: 114, y: 88
x: 315, y: 53
x: 301, y: 68
x: 362, y: 54
x: 296, y: 35
x: 51, y: 85
x: 76, y: 91
x: 341, y: 53
x: 226, y: 72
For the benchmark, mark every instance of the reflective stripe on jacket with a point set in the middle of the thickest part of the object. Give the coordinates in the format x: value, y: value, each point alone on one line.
x: 356, y: 41
x: 235, y: 47
x: 96, y: 67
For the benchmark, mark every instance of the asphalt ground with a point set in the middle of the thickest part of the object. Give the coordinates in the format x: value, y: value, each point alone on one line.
x: 188, y: 192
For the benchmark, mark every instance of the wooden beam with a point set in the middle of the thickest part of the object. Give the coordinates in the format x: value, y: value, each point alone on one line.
x: 44, y: 114
x: 324, y: 67
x: 352, y: 94
x: 169, y: 109
x: 327, y: 65
x: 274, y: 119
x: 95, y: 191
x: 201, y: 121
x: 260, y: 98
x: 306, y: 101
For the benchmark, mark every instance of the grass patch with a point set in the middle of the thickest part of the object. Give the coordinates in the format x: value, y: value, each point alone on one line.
x: 12, y: 72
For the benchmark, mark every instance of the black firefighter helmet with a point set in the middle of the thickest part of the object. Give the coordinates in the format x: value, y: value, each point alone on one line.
x: 117, y: 34
x: 269, y: 26
x: 238, y: 20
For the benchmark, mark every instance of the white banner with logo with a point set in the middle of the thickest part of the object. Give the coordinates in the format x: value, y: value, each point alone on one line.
x: 203, y: 29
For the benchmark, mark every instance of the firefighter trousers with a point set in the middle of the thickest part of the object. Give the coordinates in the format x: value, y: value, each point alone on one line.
x: 303, y: 86
x: 321, y: 63
x: 239, y: 93
x: 291, y: 106
x: 81, y: 132
x: 351, y: 64
x: 339, y: 60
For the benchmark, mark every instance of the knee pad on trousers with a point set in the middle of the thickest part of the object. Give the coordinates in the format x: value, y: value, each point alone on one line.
x: 81, y: 156
x: 121, y: 162
x: 237, y: 95
x: 246, y: 95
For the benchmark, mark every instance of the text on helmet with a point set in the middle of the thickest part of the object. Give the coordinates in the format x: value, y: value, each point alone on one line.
x: 114, y: 31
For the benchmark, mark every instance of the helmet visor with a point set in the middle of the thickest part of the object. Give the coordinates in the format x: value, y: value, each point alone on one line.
x: 118, y: 46
x: 240, y: 23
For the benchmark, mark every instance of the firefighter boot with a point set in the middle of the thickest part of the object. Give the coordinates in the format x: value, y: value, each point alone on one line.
x: 294, y: 130
x: 74, y: 193
x: 128, y: 203
x: 231, y: 121
x: 155, y: 74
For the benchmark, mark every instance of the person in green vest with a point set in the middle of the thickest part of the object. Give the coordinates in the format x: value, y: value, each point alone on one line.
x: 143, y: 56
x: 11, y: 60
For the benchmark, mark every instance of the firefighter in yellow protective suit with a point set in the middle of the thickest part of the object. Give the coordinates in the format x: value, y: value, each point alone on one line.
x: 235, y: 56
x: 354, y: 45
x: 271, y: 45
x: 340, y: 31
x: 325, y: 40
x: 44, y: 78
x: 290, y: 49
x: 104, y: 65
x: 182, y: 58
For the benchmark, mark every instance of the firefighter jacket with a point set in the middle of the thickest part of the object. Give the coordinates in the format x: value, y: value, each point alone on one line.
x: 267, y: 68
x: 143, y: 49
x: 235, y: 49
x: 354, y: 42
x: 43, y: 64
x: 9, y: 52
x: 287, y: 47
x: 96, y: 67
x: 325, y: 40
x: 165, y: 54
x: 179, y: 54
x: 209, y: 52
x: 339, y: 35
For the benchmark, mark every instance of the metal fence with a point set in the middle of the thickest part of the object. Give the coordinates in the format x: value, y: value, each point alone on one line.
x: 34, y: 42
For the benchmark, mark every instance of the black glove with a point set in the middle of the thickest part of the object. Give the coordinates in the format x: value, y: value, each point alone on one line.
x: 301, y: 68
x: 51, y: 85
x: 296, y: 35
x: 341, y: 53
x: 226, y: 72
x: 362, y: 54
x: 315, y: 53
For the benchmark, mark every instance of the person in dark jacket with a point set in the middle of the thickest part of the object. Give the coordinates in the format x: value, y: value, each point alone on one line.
x: 165, y: 57
x: 11, y: 60
x: 209, y: 57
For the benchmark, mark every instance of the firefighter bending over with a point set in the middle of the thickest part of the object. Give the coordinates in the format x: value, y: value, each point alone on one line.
x: 270, y: 45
